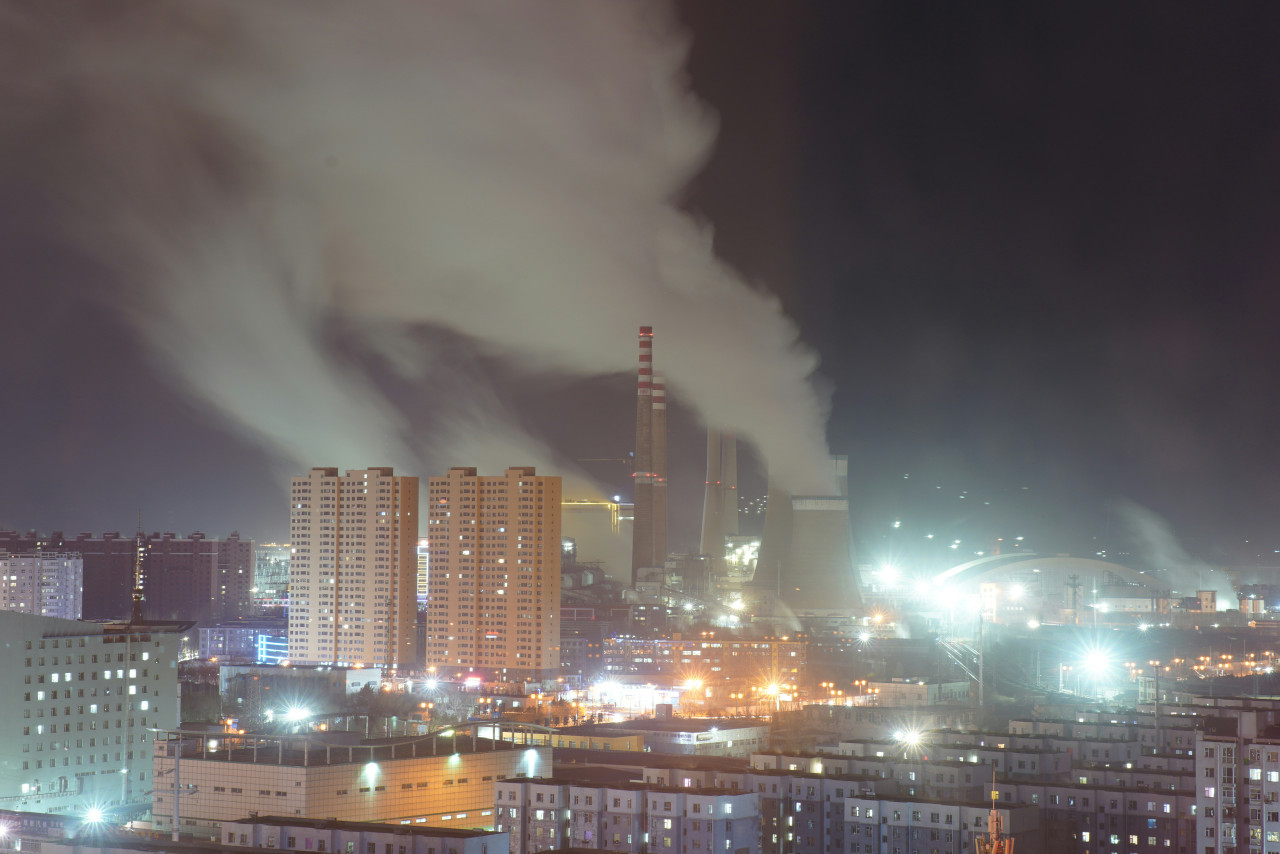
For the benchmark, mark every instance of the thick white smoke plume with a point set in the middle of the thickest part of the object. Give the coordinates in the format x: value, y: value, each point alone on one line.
x: 294, y: 190
x: 1154, y: 539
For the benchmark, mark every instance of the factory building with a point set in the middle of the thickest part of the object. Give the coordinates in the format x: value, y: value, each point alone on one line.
x: 442, y: 781
x: 495, y: 546
x: 77, y: 719
x: 353, y: 568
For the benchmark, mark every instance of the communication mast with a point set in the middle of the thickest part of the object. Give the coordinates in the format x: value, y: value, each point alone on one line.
x: 138, y: 551
x: 994, y: 842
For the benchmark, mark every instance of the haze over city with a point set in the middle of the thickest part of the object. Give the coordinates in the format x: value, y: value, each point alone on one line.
x: 662, y: 427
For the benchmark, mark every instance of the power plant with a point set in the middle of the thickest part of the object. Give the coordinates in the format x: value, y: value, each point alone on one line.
x: 806, y: 557
x: 720, y: 501
x: 806, y: 560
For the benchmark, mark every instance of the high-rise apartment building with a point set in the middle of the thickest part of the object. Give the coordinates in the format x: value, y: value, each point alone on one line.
x: 353, y: 570
x: 183, y: 578
x: 48, y: 584
x: 495, y: 573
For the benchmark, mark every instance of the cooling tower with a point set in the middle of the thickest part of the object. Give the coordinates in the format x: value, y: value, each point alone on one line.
x: 712, y: 541
x: 659, y: 470
x: 642, y: 533
x: 729, y: 482
x: 806, y: 554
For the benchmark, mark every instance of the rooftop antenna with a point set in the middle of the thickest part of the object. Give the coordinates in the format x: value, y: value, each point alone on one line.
x: 994, y: 842
x: 136, y: 617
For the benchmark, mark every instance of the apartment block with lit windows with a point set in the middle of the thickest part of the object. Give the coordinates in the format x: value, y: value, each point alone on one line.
x: 494, y: 585
x: 77, y: 722
x: 353, y: 570
x: 547, y: 813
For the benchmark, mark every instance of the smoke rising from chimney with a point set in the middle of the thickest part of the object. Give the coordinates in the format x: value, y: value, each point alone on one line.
x: 288, y: 197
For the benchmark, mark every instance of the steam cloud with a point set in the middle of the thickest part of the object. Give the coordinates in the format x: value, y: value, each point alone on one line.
x: 1156, y: 541
x: 291, y: 196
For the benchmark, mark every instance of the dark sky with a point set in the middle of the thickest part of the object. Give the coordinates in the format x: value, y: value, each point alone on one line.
x: 1033, y: 244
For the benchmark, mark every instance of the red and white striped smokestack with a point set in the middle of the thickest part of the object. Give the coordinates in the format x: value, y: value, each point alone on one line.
x: 659, y: 470
x: 642, y: 530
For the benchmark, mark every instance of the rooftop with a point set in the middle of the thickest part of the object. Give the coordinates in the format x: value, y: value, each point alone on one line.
x: 363, y: 826
x: 309, y: 750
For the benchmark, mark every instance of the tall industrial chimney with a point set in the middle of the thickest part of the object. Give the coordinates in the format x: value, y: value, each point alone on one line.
x: 729, y: 489
x: 712, y: 542
x: 642, y: 529
x: 659, y: 470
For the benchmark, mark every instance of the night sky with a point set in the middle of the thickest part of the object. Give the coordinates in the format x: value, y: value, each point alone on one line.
x: 1033, y: 244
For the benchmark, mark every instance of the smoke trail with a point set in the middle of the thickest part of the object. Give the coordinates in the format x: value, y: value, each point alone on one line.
x: 287, y: 192
x: 1155, y: 540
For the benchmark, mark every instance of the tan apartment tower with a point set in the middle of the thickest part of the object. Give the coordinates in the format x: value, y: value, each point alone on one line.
x: 659, y: 470
x: 494, y: 586
x: 642, y: 535
x: 353, y: 570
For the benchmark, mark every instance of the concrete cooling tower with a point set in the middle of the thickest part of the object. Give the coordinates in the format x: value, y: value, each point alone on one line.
x: 806, y: 557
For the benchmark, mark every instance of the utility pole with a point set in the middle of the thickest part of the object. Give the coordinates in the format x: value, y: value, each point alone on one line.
x: 981, y: 674
x: 177, y: 757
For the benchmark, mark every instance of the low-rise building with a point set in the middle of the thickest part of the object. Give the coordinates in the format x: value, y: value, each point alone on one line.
x: 544, y: 814
x: 311, y: 834
x: 444, y: 780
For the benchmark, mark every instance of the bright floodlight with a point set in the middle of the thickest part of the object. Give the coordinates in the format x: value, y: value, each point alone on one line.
x: 93, y: 815
x: 693, y: 684
x: 296, y: 713
x: 864, y: 637
x: 431, y: 684
x: 910, y: 738
x: 1033, y: 623
x: 889, y: 575
x: 1016, y: 592
x: 1095, y: 661
x: 772, y: 690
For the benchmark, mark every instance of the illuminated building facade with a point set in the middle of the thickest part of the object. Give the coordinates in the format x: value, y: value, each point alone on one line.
x: 75, y: 724
x: 495, y: 573
x: 271, y: 576
x: 353, y: 569
x: 546, y: 814
x: 720, y: 665
x: 48, y: 584
x: 445, y: 781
